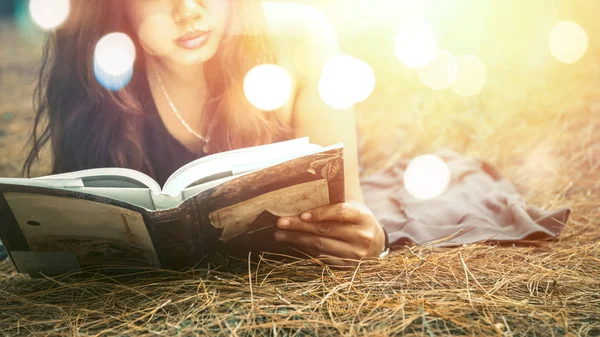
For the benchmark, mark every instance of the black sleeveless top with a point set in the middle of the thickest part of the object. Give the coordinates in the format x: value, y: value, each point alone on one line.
x: 165, y: 152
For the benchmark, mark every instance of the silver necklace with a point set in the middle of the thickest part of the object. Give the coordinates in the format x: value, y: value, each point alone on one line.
x: 185, y: 124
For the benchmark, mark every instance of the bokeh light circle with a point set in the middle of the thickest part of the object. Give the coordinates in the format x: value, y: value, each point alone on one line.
x: 49, y: 14
x: 335, y: 92
x: 568, y: 42
x: 471, y: 76
x: 268, y: 87
x: 440, y: 73
x: 345, y: 81
x: 364, y: 83
x: 426, y: 177
x: 112, y: 82
x: 115, y: 53
x: 114, y: 57
x: 415, y: 45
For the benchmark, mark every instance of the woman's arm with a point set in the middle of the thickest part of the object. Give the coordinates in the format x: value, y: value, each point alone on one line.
x: 348, y: 230
x: 312, y: 117
x: 305, y: 35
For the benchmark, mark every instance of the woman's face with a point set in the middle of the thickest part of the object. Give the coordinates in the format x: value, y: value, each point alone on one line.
x: 182, y: 31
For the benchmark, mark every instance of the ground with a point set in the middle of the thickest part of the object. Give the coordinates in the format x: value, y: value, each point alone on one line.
x: 539, y: 125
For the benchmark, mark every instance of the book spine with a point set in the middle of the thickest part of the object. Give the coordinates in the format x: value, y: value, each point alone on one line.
x: 197, y: 236
x: 162, y: 201
x: 173, y: 235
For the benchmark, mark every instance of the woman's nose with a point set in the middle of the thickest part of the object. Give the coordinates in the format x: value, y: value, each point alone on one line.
x: 188, y: 10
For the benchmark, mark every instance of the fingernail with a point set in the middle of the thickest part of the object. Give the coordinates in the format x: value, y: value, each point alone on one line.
x: 279, y: 236
x: 284, y: 222
x: 306, y: 216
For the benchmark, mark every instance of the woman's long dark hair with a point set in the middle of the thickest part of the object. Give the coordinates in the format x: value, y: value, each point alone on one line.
x: 89, y: 126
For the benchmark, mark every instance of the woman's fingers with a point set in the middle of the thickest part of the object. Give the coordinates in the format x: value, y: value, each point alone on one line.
x: 347, y: 232
x: 337, y: 230
x: 342, y: 212
x: 340, y: 234
x: 355, y: 234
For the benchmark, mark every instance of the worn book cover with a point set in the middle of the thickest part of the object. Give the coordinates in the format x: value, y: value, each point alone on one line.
x: 54, y: 230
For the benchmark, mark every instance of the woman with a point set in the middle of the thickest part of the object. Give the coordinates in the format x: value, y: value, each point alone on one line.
x: 186, y: 100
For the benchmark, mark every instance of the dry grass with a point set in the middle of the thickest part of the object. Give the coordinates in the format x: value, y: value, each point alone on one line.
x: 544, y: 136
x: 473, y: 289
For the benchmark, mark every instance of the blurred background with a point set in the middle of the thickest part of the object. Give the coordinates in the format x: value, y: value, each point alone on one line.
x: 511, y: 82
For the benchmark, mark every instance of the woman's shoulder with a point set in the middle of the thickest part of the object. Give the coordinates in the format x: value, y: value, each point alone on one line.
x: 304, y: 38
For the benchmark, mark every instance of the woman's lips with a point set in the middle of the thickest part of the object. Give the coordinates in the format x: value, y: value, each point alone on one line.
x: 193, y: 40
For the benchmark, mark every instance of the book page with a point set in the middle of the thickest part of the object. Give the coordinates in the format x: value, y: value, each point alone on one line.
x: 111, y: 176
x: 193, y: 190
x: 141, y: 197
x: 99, y: 234
x: 56, y: 182
x: 221, y: 164
x: 125, y: 190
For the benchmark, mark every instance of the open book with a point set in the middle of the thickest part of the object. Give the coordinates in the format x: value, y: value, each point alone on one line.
x: 226, y: 202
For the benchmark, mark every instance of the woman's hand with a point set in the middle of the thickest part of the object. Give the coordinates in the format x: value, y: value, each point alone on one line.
x: 344, y: 230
